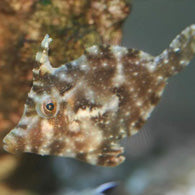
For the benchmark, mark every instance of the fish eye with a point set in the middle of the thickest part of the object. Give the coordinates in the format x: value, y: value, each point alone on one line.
x: 48, y: 108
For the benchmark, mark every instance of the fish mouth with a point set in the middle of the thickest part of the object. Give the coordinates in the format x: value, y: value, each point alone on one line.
x: 13, y: 143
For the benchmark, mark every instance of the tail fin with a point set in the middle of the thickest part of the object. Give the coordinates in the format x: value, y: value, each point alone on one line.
x: 179, y: 53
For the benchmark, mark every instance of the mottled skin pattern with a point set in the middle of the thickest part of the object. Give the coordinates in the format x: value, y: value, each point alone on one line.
x: 83, y: 108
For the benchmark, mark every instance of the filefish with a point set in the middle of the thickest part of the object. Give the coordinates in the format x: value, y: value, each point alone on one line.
x: 83, y: 108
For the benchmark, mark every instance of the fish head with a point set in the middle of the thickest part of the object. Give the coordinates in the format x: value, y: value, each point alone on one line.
x: 51, y: 123
x: 43, y: 124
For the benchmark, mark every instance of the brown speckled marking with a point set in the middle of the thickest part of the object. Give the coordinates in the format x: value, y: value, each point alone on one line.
x: 22, y: 126
x: 38, y: 89
x: 34, y: 139
x: 31, y: 113
x: 103, y: 67
x: 154, y: 99
x: 30, y: 102
x: 82, y: 156
x: 57, y: 147
x: 83, y: 108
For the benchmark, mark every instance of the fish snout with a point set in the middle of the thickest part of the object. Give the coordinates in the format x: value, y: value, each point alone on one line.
x: 13, y: 142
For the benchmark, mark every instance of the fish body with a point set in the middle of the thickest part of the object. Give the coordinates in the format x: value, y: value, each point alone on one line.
x: 85, y: 107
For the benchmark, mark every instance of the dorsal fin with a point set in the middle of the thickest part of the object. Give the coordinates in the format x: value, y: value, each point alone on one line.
x: 42, y: 56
